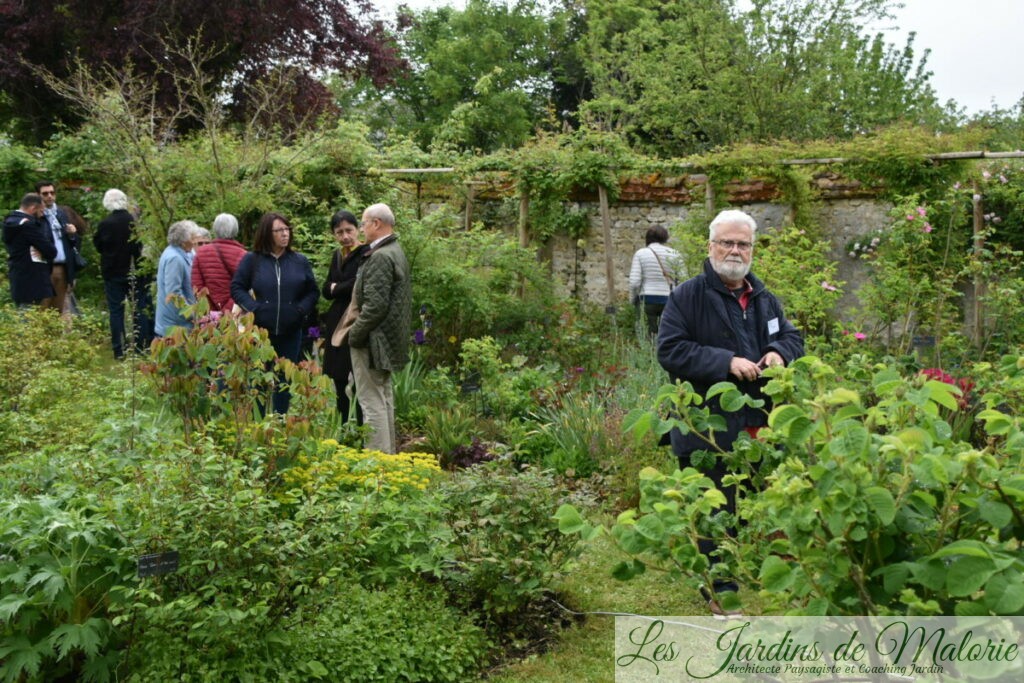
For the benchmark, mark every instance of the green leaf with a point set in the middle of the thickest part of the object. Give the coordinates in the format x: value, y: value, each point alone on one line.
x: 881, y: 503
x: 970, y: 608
x: 53, y: 582
x: 9, y: 606
x: 841, y: 396
x: 964, y: 547
x: 18, y: 658
x: 1004, y: 593
x: 86, y: 637
x: 996, y: 423
x: 715, y: 497
x: 931, y: 574
x: 776, y: 574
x: 783, y: 415
x: 945, y: 395
x: 967, y: 574
x: 651, y: 527
x: 624, y: 571
x: 316, y: 669
x: 850, y: 440
x: 569, y: 520
x: 995, y: 512
x: 640, y: 422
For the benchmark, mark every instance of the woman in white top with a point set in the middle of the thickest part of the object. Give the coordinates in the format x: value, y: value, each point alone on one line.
x: 656, y: 270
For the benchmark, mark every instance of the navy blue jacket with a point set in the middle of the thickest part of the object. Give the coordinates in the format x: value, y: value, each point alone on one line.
x: 30, y: 280
x: 703, y: 327
x: 284, y: 290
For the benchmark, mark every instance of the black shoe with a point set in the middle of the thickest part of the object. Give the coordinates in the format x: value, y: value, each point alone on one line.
x: 716, y: 609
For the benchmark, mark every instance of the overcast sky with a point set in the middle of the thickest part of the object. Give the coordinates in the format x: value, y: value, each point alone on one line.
x: 977, y: 46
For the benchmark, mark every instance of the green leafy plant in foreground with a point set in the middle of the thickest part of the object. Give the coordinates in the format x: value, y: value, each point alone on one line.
x: 869, y: 505
x: 60, y: 564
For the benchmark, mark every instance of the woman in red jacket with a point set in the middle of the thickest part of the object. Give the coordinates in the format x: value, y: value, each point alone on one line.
x: 215, y: 263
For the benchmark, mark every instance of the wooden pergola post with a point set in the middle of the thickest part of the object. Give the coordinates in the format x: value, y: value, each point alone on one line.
x: 524, y: 213
x: 470, y: 194
x: 609, y: 260
x: 979, y: 283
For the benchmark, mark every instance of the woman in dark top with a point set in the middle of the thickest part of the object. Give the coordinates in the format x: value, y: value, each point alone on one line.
x: 341, y: 278
x: 277, y: 286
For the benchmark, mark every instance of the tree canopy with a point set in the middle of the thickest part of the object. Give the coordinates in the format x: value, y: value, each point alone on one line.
x: 245, y: 39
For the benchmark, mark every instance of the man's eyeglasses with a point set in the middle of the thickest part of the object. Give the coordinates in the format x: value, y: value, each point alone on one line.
x: 729, y: 245
x: 47, y: 194
x: 366, y: 222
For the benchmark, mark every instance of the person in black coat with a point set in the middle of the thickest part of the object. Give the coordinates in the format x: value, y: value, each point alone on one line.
x: 30, y: 253
x: 277, y: 286
x: 341, y: 278
x: 120, y: 260
x: 724, y: 325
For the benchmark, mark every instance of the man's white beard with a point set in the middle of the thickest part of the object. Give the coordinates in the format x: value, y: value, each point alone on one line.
x: 731, y: 270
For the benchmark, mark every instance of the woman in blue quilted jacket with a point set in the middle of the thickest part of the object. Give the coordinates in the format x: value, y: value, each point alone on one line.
x: 277, y: 286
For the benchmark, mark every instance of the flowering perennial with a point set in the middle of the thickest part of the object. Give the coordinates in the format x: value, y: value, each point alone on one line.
x: 336, y: 466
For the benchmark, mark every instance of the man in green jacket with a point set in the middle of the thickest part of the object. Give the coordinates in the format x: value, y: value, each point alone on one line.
x: 379, y: 338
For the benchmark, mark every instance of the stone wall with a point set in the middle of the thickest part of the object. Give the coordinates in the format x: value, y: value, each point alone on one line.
x: 847, y: 211
x: 580, y: 265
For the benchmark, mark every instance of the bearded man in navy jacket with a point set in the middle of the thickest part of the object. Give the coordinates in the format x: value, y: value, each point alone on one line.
x: 724, y: 325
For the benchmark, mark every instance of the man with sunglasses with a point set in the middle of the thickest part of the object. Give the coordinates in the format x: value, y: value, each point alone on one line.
x: 724, y: 325
x: 65, y: 238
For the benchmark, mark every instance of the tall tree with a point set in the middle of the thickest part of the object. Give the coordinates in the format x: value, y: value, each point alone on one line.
x: 247, y: 38
x: 480, y: 77
x: 686, y: 75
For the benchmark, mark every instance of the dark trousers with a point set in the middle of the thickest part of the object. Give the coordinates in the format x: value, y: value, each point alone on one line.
x: 118, y: 289
x: 708, y: 546
x: 287, y: 345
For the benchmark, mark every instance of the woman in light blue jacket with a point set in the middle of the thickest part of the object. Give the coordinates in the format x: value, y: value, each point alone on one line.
x: 174, y: 277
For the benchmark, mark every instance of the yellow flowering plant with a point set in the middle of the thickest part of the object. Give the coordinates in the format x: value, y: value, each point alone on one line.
x: 334, y: 466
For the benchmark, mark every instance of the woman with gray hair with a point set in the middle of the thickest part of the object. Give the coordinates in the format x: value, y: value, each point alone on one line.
x: 215, y: 264
x: 120, y: 257
x: 174, y: 277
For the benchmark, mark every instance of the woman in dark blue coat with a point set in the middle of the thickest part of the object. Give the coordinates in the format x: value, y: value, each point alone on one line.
x: 276, y: 285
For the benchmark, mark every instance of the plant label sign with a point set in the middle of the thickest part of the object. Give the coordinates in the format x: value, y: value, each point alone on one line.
x: 158, y: 564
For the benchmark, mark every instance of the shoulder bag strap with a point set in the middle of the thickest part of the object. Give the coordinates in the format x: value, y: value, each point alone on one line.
x: 664, y: 273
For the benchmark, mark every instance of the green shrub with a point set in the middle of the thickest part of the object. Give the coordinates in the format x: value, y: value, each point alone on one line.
x: 61, y: 565
x: 868, y: 499
x: 404, y: 632
x: 506, y: 547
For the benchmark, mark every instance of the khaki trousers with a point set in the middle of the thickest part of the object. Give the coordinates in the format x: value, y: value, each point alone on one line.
x: 373, y: 391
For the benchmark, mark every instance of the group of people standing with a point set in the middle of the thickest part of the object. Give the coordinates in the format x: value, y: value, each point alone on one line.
x: 368, y: 283
x: 42, y: 240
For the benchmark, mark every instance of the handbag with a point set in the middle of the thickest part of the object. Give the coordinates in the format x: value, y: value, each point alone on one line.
x: 79, y: 260
x: 348, y: 319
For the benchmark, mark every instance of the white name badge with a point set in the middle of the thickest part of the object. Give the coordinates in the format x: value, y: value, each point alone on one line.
x: 773, y: 326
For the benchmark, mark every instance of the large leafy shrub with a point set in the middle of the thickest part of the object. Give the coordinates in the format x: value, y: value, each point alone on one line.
x: 866, y: 501
x: 61, y: 564
x: 506, y: 548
